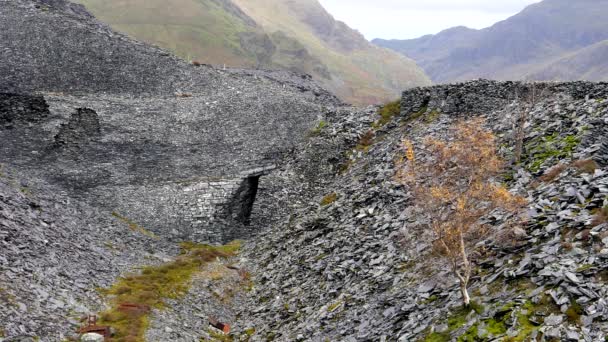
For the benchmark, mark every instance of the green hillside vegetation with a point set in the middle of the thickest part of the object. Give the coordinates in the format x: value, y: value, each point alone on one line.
x: 361, y: 72
x: 196, y: 29
x: 297, y: 35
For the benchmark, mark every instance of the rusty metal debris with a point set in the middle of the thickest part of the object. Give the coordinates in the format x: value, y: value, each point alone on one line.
x: 225, y: 328
x: 92, y: 327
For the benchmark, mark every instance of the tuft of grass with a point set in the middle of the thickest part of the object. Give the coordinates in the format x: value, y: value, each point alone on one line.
x: 333, y: 307
x: 366, y: 141
x: 217, y: 336
x: 496, y: 327
x: 456, y: 320
x: 574, y: 312
x: 387, y: 113
x: 317, y: 130
x: 600, y: 217
x: 584, y: 268
x: 134, y: 226
x: 552, y: 173
x: 416, y: 115
x: 429, y: 300
x: 437, y: 337
x: 470, y: 335
x: 586, y: 165
x: 152, y: 286
x: 525, y: 327
x: 6, y: 299
x: 477, y: 307
x: 329, y: 199
x: 432, y: 116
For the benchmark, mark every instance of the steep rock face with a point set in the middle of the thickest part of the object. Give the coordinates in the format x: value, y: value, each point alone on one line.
x: 360, y: 267
x: 517, y: 48
x: 122, y: 124
x: 297, y: 35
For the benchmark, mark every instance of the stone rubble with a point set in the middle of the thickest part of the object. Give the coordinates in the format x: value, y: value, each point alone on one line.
x: 359, y: 269
x: 55, y: 253
x: 336, y: 252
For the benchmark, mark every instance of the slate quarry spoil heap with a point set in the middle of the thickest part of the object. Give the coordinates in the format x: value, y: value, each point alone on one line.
x: 113, y: 150
x: 358, y: 267
x: 135, y: 130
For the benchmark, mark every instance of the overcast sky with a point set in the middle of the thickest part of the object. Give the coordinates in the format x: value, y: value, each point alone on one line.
x: 414, y: 18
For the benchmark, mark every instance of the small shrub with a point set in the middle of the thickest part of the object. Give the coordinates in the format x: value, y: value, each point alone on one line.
x: 551, y: 174
x: 567, y: 246
x: 329, y: 199
x: 586, y: 165
x: 366, y: 141
x: 600, y: 217
x: 586, y: 237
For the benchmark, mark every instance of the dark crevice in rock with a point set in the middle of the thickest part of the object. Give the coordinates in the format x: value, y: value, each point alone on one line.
x: 241, y: 206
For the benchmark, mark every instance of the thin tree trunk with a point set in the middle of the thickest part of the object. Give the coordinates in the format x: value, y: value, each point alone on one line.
x: 464, y: 279
x: 465, y: 294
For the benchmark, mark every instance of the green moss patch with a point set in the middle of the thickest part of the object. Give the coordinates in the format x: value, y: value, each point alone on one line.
x: 387, y: 113
x: 133, y: 296
x: 437, y: 337
x: 470, y: 335
x: 553, y: 146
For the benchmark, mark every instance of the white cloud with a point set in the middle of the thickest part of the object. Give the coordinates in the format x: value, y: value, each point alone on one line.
x: 403, y: 19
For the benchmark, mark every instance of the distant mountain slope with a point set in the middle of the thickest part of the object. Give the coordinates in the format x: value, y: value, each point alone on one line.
x: 590, y: 63
x: 519, y: 47
x: 294, y: 35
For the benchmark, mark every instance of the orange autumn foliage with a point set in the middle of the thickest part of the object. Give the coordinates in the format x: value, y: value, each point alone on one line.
x: 455, y: 186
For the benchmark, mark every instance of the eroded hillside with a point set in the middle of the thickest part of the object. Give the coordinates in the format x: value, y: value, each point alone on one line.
x: 295, y: 35
x: 118, y: 181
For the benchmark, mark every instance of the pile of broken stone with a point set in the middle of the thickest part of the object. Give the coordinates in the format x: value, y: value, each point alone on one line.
x: 361, y: 269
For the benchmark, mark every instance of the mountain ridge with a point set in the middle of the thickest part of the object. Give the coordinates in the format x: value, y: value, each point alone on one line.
x: 515, y: 48
x: 262, y: 34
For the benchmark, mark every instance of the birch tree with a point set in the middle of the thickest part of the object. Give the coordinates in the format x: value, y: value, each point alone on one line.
x: 455, y: 185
